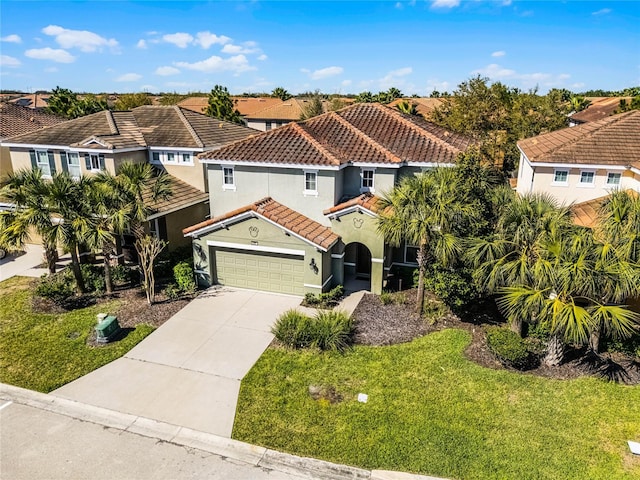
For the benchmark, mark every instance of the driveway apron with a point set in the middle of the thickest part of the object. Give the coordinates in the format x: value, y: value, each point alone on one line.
x: 188, y: 371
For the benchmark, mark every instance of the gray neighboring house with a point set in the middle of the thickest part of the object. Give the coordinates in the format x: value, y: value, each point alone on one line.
x: 294, y: 210
x: 168, y: 137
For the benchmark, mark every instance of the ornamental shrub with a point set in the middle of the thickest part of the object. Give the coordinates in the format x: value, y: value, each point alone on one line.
x: 508, y: 347
x: 183, y: 275
x: 56, y: 287
x: 327, y: 330
x: 454, y: 287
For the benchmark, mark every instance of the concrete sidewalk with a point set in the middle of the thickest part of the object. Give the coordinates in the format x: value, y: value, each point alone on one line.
x: 188, y: 371
x: 47, y: 437
x: 27, y: 263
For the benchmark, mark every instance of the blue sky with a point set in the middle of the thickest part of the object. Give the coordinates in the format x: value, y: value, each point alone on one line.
x: 337, y: 47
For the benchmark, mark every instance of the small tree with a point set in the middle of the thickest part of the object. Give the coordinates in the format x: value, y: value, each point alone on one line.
x: 222, y: 106
x: 148, y: 248
x: 314, y: 106
x: 129, y: 101
x: 407, y: 108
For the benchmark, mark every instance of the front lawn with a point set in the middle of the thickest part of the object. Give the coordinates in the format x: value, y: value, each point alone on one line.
x: 432, y: 411
x: 44, y: 351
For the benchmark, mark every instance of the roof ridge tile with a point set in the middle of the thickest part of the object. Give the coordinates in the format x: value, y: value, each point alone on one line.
x: 112, y: 123
x: 386, y: 152
x: 187, y: 124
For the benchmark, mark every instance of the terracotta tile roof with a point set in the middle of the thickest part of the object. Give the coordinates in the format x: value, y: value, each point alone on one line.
x: 369, y: 133
x: 599, y: 108
x: 614, y: 140
x: 182, y: 195
x: 33, y: 100
x: 366, y: 200
x: 144, y: 126
x: 16, y: 120
x: 290, y: 110
x: 293, y: 221
x: 424, y: 105
x: 245, y: 105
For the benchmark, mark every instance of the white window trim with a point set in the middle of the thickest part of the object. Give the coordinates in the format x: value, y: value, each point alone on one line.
x: 560, y: 184
x: 46, y: 152
x: 310, y: 193
x: 97, y: 155
x: 404, y: 258
x: 613, y: 185
x: 79, y: 165
x: 177, y: 155
x: 587, y: 185
x: 230, y: 186
x: 372, y: 188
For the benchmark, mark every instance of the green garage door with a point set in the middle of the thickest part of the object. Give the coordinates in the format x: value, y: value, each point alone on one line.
x: 272, y: 272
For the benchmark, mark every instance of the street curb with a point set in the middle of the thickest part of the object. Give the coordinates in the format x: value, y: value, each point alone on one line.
x: 225, y: 447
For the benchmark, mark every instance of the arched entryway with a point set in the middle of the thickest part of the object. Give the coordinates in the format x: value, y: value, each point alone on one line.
x: 357, y: 267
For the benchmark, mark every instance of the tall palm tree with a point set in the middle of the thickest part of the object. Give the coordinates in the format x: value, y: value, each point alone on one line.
x: 28, y: 191
x: 516, y: 254
x: 428, y: 210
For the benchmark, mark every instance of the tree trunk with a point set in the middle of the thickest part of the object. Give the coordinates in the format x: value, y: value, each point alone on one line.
x: 594, y: 339
x: 118, y: 247
x: 51, y: 254
x: 555, y: 351
x: 517, y: 326
x: 422, y: 260
x: 75, y: 267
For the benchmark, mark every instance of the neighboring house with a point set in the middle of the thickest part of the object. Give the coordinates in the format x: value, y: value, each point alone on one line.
x: 294, y: 210
x: 37, y: 101
x: 277, y: 115
x: 599, y: 108
x: 585, y: 162
x: 168, y: 137
x: 15, y: 120
x: 245, y: 105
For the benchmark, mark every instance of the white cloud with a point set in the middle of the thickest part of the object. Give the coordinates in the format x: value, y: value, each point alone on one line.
x: 129, y: 77
x: 246, y: 48
x: 166, y: 71
x: 323, y: 72
x: 84, y: 40
x: 7, y: 61
x: 526, y: 80
x: 179, y: 39
x: 53, y: 54
x: 142, y: 44
x: 206, y: 39
x: 262, y: 57
x: 602, y: 11
x: 499, y: 53
x: 444, y: 3
x: 11, y: 39
x: 236, y: 64
x: 51, y: 69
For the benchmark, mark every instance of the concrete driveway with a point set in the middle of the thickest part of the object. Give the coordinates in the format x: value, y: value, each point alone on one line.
x: 188, y: 371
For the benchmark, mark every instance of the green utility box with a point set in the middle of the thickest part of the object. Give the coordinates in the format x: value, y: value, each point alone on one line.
x: 107, y: 329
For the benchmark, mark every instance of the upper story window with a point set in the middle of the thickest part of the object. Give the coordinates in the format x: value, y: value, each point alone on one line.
x: 172, y: 158
x: 267, y: 126
x: 228, y: 178
x: 94, y: 162
x: 587, y: 178
x: 613, y: 179
x: 44, y: 163
x: 561, y: 177
x: 72, y: 160
x: 367, y: 179
x: 310, y: 182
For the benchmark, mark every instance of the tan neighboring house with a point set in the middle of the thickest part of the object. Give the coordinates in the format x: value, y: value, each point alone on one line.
x: 168, y: 137
x: 37, y: 101
x: 245, y: 105
x: 277, y: 115
x: 293, y: 210
x: 599, y: 108
x: 583, y: 163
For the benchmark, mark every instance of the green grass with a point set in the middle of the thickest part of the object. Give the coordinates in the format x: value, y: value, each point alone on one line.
x: 432, y: 411
x: 44, y: 351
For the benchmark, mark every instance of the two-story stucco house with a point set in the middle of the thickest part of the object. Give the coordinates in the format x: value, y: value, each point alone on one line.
x: 168, y: 137
x: 293, y: 210
x: 585, y: 162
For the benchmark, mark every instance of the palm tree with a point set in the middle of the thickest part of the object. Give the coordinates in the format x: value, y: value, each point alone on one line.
x: 516, y: 253
x: 28, y: 191
x: 579, y: 103
x: 428, y: 210
x: 281, y: 93
x: 407, y: 108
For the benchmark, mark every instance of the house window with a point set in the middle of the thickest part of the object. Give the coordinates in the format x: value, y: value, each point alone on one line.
x: 42, y: 159
x: 155, y: 157
x: 410, y: 254
x: 613, y: 179
x: 73, y: 164
x: 186, y: 158
x: 171, y: 157
x: 310, y: 182
x: 228, y: 180
x: 561, y: 177
x: 366, y: 176
x: 267, y: 126
x: 95, y: 162
x: 587, y: 178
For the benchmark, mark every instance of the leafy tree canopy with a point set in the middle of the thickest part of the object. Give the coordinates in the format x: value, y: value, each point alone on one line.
x: 129, y: 101
x: 281, y: 93
x: 65, y: 103
x: 222, y: 106
x: 381, y: 97
x: 313, y: 106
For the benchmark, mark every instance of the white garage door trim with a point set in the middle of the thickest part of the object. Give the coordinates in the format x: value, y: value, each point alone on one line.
x: 255, y: 248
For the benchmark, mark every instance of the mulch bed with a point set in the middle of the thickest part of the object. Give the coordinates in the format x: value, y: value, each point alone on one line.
x: 378, y: 324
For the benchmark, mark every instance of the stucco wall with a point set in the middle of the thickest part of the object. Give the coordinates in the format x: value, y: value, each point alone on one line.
x: 5, y: 162
x: 574, y: 192
x: 113, y: 164
x: 284, y: 185
x: 181, y: 219
x: 383, y: 180
x: 194, y: 175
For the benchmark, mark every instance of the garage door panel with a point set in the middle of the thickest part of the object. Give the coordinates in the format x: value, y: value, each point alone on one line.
x: 260, y: 270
